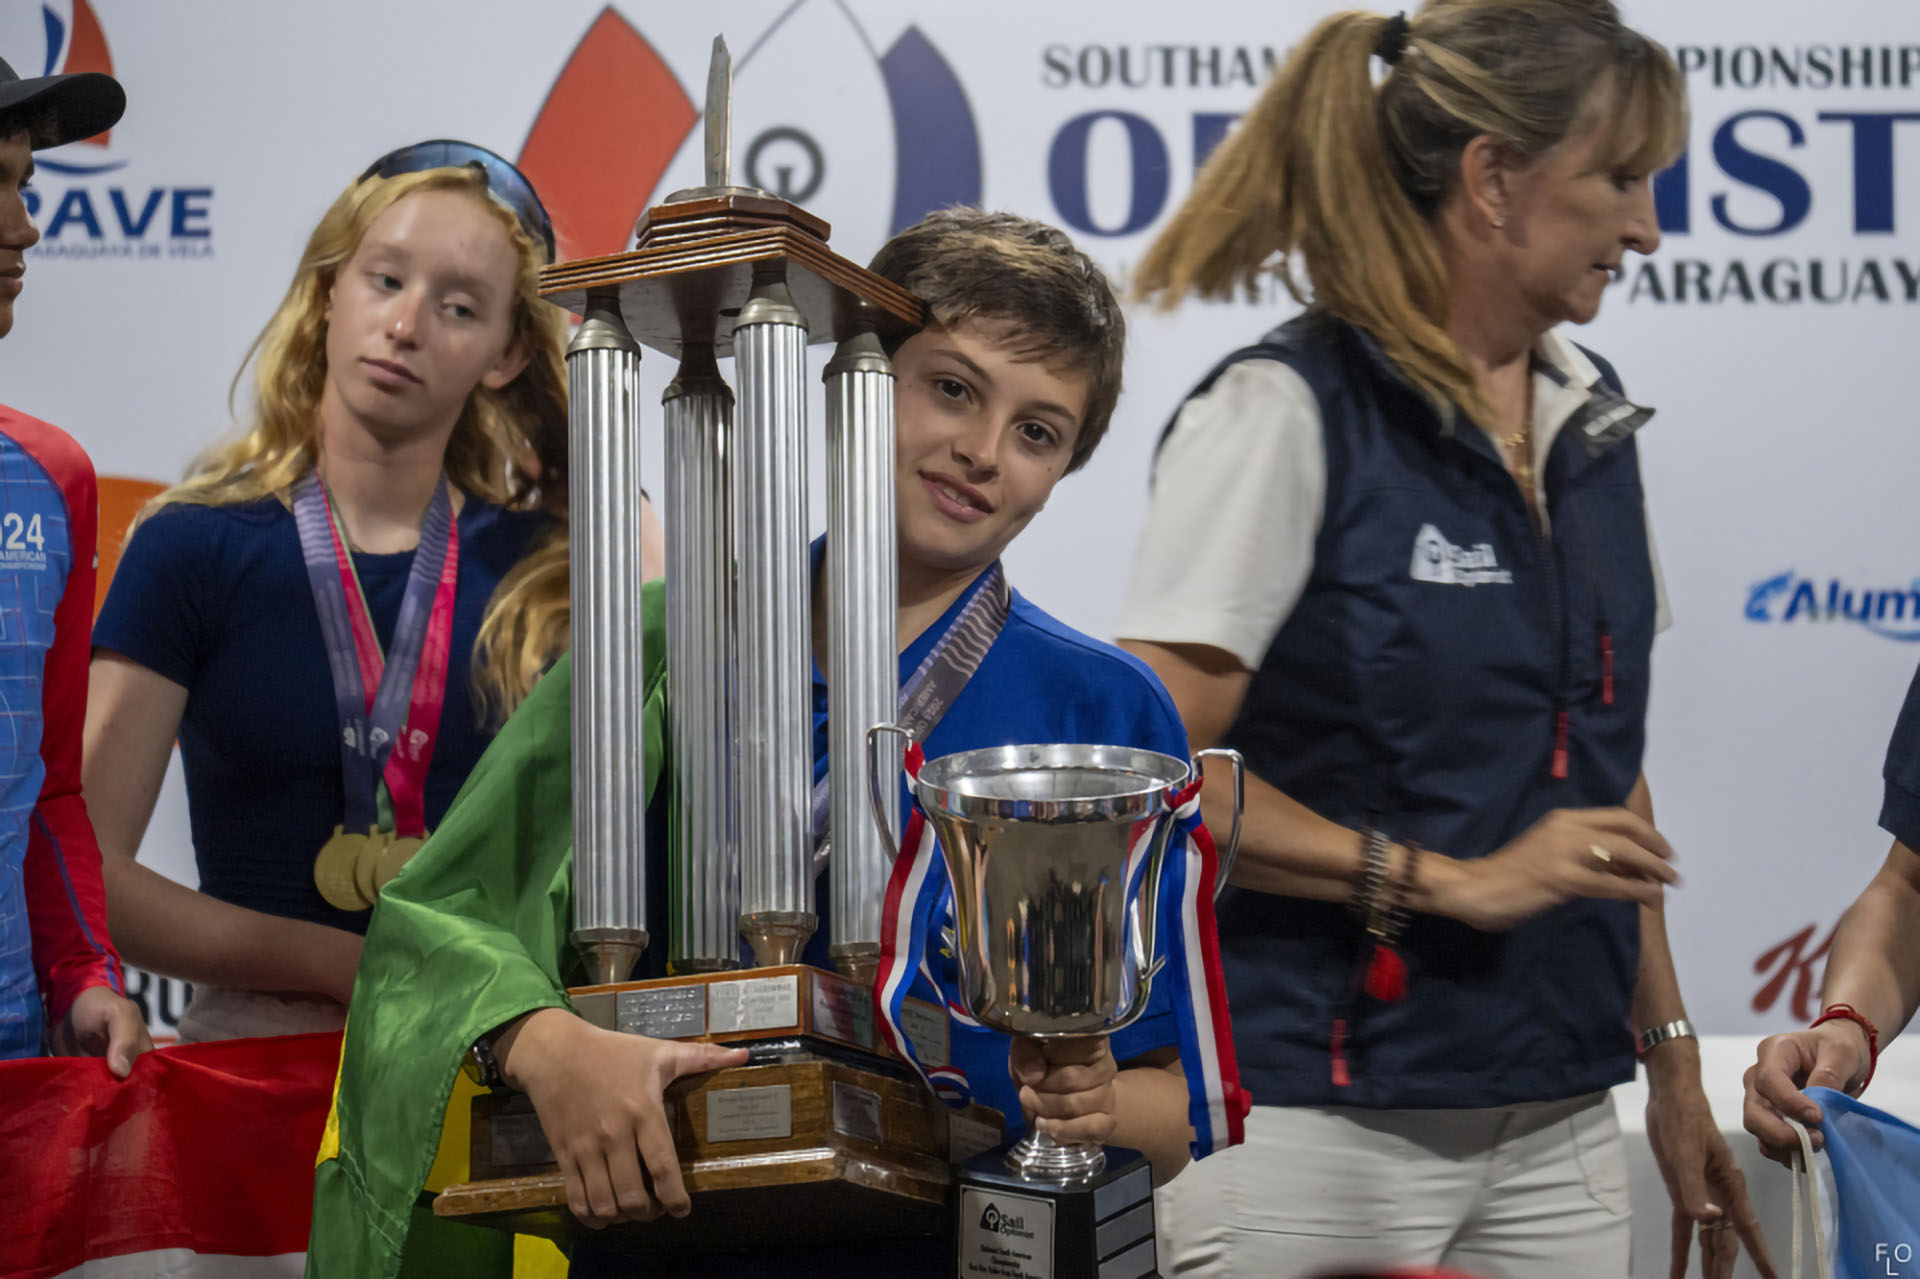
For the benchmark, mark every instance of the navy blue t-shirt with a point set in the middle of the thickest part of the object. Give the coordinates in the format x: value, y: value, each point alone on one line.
x: 216, y: 599
x: 1900, y: 813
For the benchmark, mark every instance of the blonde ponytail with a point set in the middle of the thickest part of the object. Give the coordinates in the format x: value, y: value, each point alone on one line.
x: 1334, y: 183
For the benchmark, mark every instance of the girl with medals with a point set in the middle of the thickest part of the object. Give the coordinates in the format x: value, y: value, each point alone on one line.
x: 1008, y: 389
x: 301, y: 611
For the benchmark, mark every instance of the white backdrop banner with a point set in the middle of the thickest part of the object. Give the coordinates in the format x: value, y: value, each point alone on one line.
x: 1776, y: 328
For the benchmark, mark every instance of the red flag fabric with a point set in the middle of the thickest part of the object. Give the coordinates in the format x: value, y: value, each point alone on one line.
x: 201, y: 1156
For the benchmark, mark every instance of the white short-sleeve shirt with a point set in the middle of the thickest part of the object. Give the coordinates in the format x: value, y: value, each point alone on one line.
x: 1239, y: 491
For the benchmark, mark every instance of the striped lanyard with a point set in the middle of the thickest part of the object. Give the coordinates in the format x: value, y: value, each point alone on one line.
x: 945, y: 670
x: 371, y: 693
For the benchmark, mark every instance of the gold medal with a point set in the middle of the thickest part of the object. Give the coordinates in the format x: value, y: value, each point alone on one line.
x: 397, y: 853
x: 333, y: 871
x: 364, y: 864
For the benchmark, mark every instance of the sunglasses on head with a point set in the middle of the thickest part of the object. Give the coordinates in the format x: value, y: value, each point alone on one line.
x: 506, y: 183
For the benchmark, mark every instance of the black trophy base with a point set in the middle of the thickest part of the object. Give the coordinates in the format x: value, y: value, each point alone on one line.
x: 1009, y: 1228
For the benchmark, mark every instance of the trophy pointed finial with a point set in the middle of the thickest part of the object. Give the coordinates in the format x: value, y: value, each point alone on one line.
x: 719, y: 115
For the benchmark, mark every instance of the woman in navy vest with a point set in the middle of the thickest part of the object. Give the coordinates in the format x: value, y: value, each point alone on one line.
x: 1398, y: 556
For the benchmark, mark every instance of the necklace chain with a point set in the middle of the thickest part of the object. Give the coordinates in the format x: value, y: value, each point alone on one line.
x: 1519, y: 444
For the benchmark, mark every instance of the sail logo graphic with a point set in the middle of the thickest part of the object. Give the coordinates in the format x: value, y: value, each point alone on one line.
x: 619, y: 131
x: 84, y: 199
x: 1891, y: 612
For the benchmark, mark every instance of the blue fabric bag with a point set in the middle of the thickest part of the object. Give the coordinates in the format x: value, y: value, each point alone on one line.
x: 1876, y: 1181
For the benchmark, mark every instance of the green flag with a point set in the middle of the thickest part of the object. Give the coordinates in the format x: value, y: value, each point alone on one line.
x: 471, y: 934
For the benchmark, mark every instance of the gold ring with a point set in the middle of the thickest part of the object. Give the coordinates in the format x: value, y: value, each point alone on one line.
x: 1600, y: 852
x: 1714, y: 1225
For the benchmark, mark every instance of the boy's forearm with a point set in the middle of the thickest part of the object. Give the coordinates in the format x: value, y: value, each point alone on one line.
x: 1151, y: 1116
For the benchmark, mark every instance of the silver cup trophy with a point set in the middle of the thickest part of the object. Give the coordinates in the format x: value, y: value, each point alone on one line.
x: 1055, y: 855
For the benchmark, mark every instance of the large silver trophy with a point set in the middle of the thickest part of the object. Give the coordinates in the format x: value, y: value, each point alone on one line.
x: 823, y: 1135
x: 1055, y: 855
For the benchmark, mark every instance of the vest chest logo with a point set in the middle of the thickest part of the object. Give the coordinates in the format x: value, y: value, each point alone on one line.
x: 1437, y: 560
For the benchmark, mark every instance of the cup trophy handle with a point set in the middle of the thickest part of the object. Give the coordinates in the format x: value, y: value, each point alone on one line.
x: 1239, y: 806
x: 877, y: 782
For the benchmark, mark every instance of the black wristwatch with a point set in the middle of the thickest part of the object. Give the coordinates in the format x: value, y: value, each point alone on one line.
x: 481, y: 1066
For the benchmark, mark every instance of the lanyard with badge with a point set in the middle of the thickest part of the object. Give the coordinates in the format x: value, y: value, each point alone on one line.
x: 383, y: 760
x: 938, y: 680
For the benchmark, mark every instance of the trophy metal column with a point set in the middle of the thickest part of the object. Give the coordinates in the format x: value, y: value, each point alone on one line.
x: 863, y: 674
x: 776, y: 714
x: 609, y: 794
x: 702, y: 667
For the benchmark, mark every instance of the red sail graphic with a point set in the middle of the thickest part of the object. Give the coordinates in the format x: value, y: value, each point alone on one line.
x: 87, y: 51
x: 607, y: 131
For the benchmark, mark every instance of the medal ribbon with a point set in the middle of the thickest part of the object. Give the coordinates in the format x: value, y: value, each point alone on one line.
x: 370, y: 692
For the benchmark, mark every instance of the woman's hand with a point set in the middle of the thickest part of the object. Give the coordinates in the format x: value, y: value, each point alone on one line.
x: 599, y: 1097
x: 1834, y: 1054
x: 1704, y: 1183
x: 1066, y: 1086
x: 1571, y: 853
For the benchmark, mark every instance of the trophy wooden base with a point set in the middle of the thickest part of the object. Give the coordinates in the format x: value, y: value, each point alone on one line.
x: 745, y: 1006
x: 818, y: 1138
x: 812, y: 1150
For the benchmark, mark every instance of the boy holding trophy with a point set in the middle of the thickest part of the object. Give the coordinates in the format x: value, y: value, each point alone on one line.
x: 1008, y: 388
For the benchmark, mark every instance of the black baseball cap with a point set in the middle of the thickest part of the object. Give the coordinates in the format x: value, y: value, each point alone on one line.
x: 75, y: 106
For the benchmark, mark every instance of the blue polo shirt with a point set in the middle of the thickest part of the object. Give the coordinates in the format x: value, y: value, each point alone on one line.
x: 1041, y: 681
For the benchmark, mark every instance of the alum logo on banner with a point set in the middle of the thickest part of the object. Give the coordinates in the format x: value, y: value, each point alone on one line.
x: 617, y: 96
x: 1889, y: 611
x: 86, y: 198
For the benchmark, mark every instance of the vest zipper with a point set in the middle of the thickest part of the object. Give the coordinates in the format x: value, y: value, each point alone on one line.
x: 1556, y: 608
x: 1599, y: 597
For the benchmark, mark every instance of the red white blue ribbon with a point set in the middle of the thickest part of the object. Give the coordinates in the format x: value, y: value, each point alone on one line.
x: 1216, y: 1103
x: 917, y: 892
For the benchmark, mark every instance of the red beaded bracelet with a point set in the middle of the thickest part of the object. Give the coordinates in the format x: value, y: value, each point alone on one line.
x: 1847, y: 1012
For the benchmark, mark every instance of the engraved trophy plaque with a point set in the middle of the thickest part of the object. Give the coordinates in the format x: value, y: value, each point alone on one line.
x: 822, y: 1135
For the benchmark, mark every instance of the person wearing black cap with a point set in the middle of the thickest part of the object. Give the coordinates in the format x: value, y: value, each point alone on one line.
x: 61, y: 982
